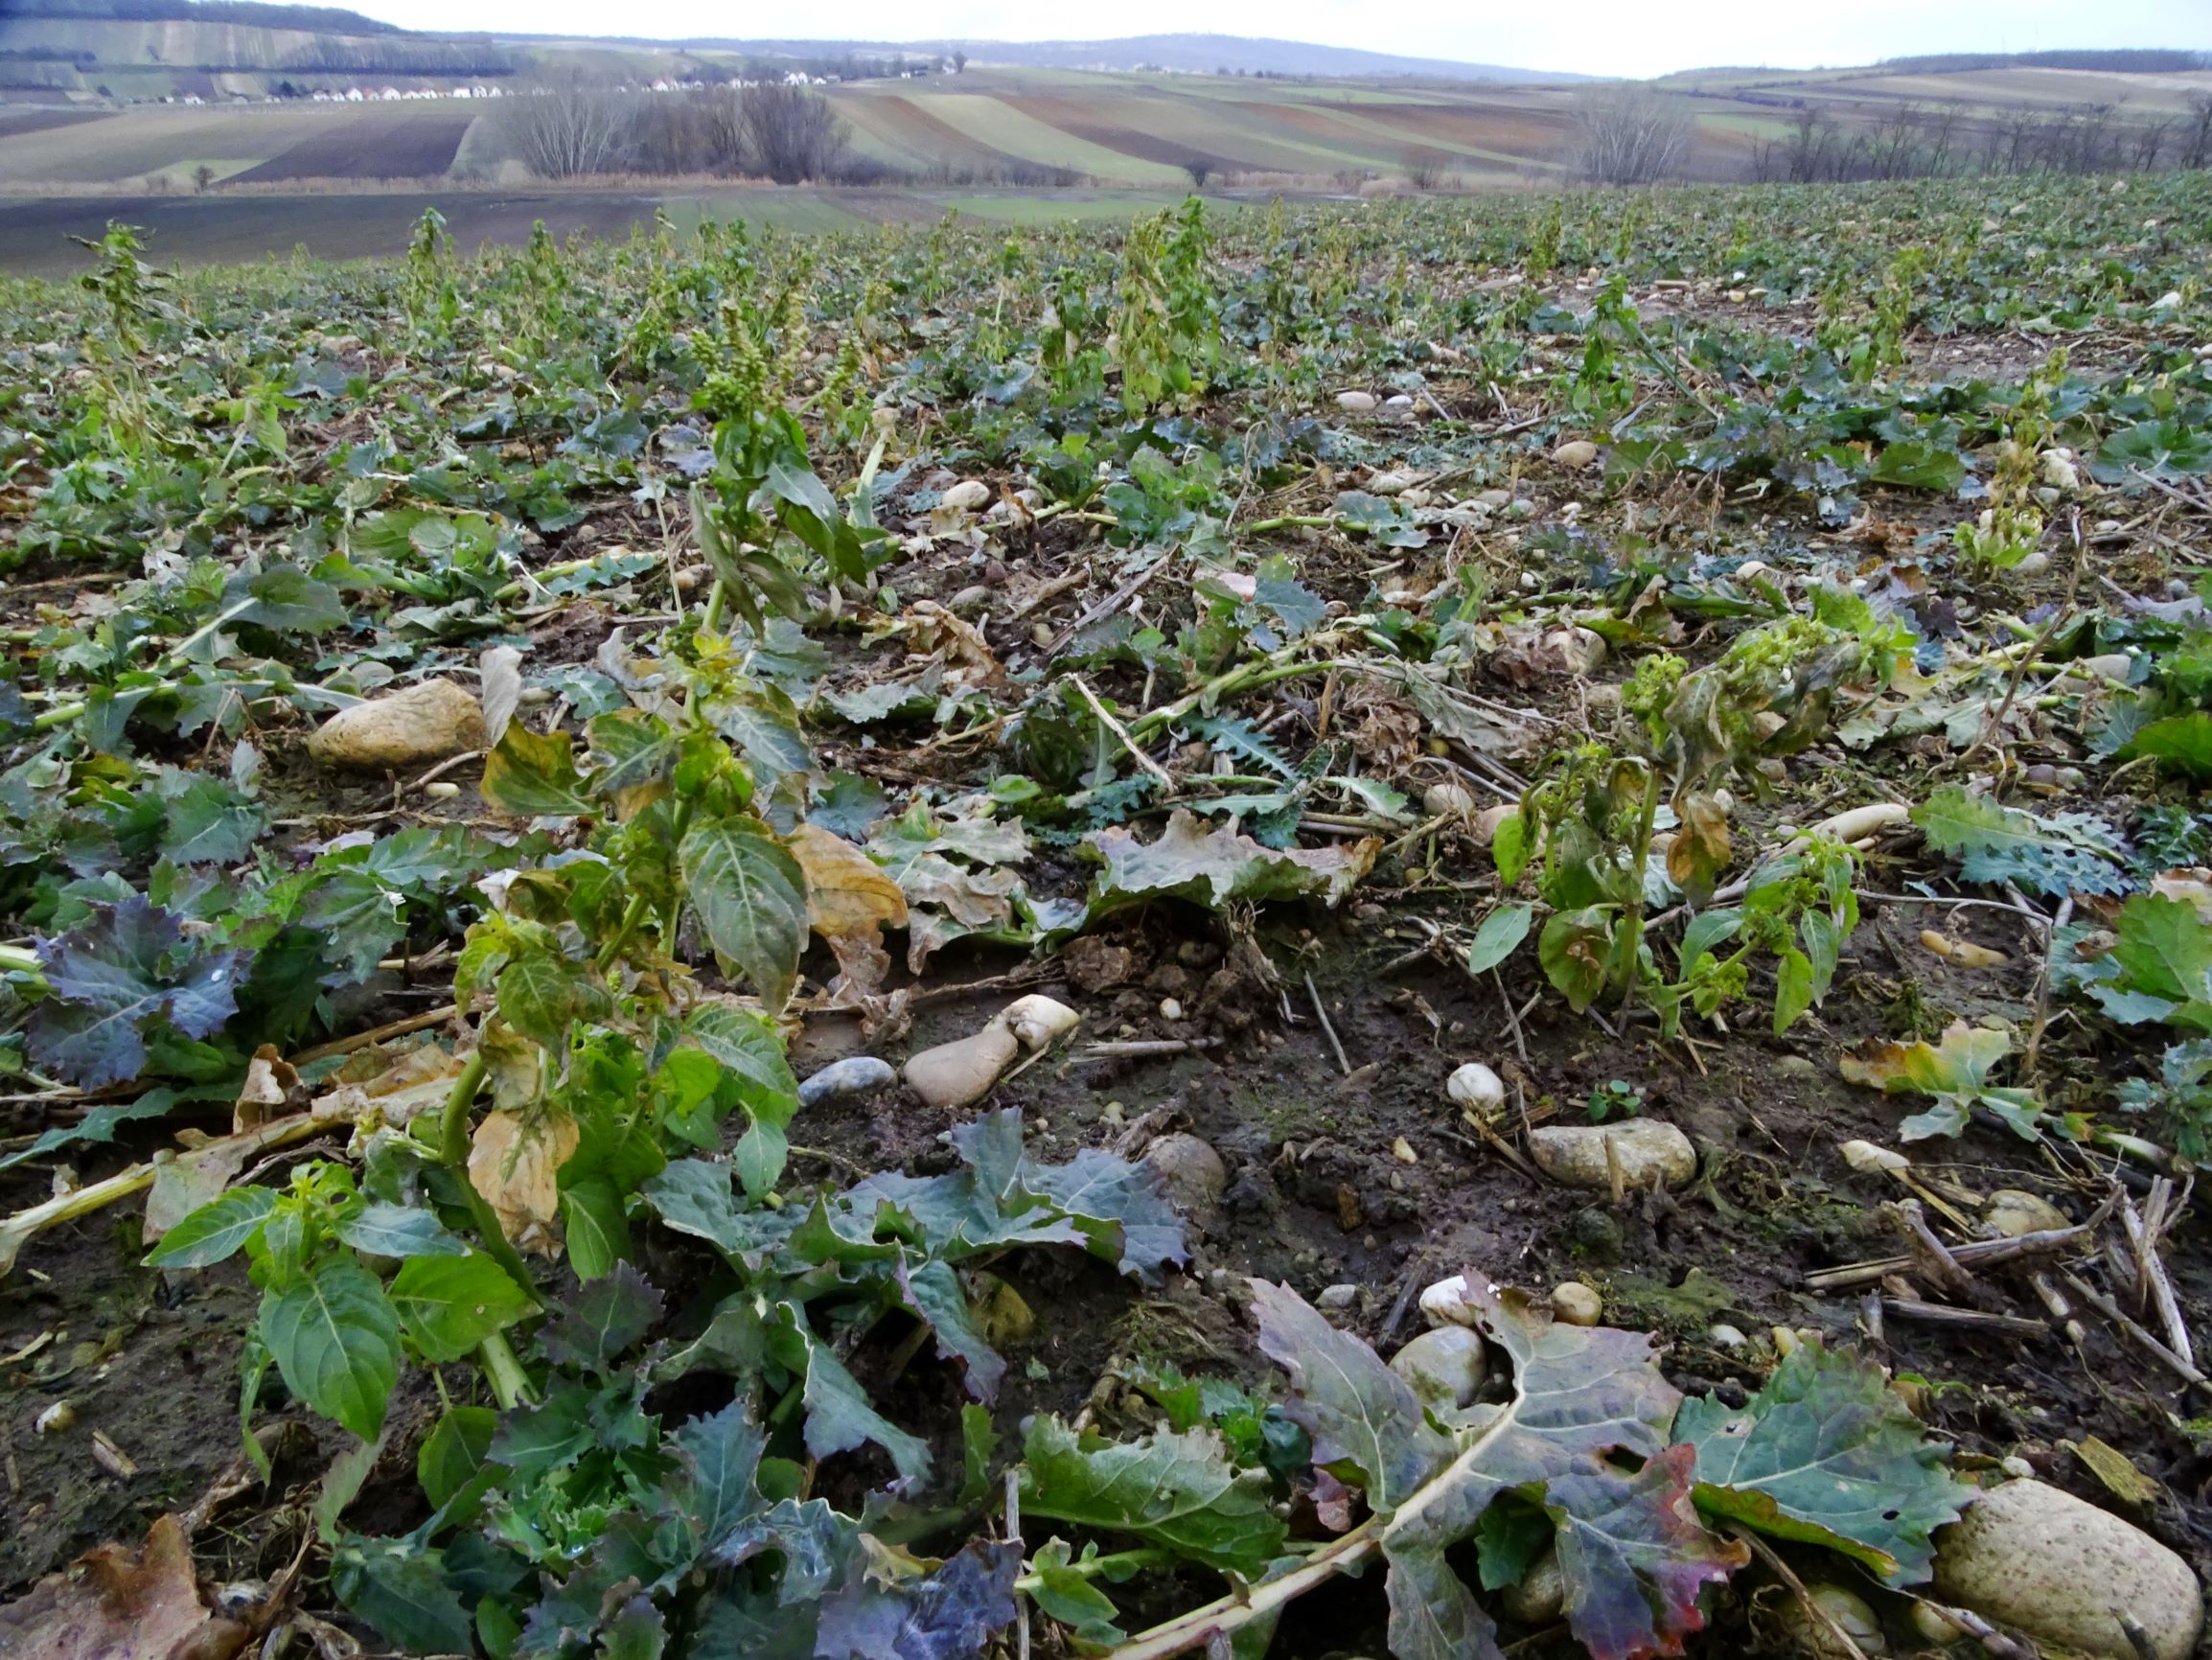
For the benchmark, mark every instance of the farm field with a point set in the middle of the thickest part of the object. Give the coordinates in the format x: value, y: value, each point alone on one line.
x: 35, y: 234
x: 1451, y: 928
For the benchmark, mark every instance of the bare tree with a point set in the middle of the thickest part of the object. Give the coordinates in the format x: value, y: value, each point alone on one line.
x: 1425, y: 168
x: 790, y: 134
x: 1200, y: 168
x: 1630, y: 134
x: 2197, y: 133
x: 567, y: 124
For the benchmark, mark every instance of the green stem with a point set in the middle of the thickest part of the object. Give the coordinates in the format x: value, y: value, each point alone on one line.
x: 503, y: 1371
x: 453, y: 1154
x: 20, y: 960
x: 1632, y: 922
x: 175, y: 653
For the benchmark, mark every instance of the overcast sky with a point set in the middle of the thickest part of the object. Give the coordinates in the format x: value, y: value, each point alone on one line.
x: 1592, y: 36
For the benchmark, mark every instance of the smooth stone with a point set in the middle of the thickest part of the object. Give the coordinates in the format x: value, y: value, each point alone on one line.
x: 2064, y: 1571
x: 854, y: 1076
x: 961, y: 1073
x: 1447, y: 1365
x: 1576, y: 453
x: 2013, y: 1212
x: 1357, y: 402
x: 1336, y: 1298
x: 1648, y: 1152
x: 1575, y: 651
x: 1494, y: 499
x: 1192, y: 1171
x: 1541, y: 1594
x: 1725, y: 1336
x: 1575, y: 1303
x: 428, y: 723
x: 971, y: 600
x: 966, y: 496
x: 1850, y: 1610
x: 1439, y: 799
x: 1475, y: 1085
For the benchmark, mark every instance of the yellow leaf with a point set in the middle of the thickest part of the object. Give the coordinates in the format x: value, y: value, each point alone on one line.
x: 516, y: 1165
x: 846, y: 891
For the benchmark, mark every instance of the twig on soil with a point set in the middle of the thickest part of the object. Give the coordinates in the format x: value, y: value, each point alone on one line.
x: 1993, y: 1640
x: 1783, y: 1570
x: 1943, y: 1314
x: 1322, y: 1010
x: 2138, y: 1639
x: 2043, y: 988
x: 1121, y: 731
x: 1977, y: 1252
x: 1139, y: 1049
x: 1930, y: 1252
x: 2185, y: 1370
x: 2151, y: 1267
x: 377, y: 1034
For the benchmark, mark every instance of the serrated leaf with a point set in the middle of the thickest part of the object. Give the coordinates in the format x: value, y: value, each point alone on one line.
x: 542, y: 995
x: 603, y: 1319
x: 113, y: 978
x: 398, y: 1586
x: 839, y: 1413
x: 2070, y: 855
x: 1175, y: 1490
x: 1215, y: 867
x: 2164, y: 948
x: 750, y: 896
x: 721, y: 1454
x: 1825, y: 1454
x: 1630, y: 1548
x: 950, y: 1614
x: 2182, y: 743
x: 208, y: 823
x: 450, y: 1304
x: 335, y: 1337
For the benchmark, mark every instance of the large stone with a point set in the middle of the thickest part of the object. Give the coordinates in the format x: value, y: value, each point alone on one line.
x: 1356, y: 402
x: 1192, y: 1171
x: 854, y: 1076
x: 1648, y: 1152
x: 961, y: 1073
x: 1576, y: 453
x: 431, y: 722
x: 2064, y: 1572
x: 1446, y: 1366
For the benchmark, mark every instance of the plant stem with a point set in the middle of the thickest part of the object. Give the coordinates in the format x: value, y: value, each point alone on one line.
x: 1248, y: 678
x: 453, y: 1154
x: 503, y: 1371
x: 1632, y: 920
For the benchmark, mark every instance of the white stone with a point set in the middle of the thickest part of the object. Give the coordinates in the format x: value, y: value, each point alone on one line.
x: 1576, y: 453
x: 1648, y: 1151
x: 424, y: 724
x: 1192, y: 1171
x: 1337, y: 1299
x: 2064, y: 1571
x: 1447, y: 1365
x: 966, y: 496
x: 1356, y: 402
x: 1475, y: 1085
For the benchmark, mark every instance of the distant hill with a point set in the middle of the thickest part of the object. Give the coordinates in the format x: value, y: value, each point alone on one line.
x: 1186, y: 54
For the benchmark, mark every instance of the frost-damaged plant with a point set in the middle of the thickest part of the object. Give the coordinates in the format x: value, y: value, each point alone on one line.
x: 2009, y: 529
x: 1589, y: 1455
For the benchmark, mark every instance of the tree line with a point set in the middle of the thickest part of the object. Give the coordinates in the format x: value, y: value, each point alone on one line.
x: 576, y: 125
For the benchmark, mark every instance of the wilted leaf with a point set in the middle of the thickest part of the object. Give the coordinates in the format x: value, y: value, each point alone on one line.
x: 1825, y: 1452
x: 499, y: 689
x: 535, y: 776
x: 1700, y: 850
x: 1215, y: 867
x: 515, y: 1163
x: 119, y: 1605
x: 1953, y: 1073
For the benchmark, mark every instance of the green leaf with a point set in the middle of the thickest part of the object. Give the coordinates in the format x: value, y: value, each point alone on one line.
x: 751, y: 895
x: 1178, y: 1491
x: 1510, y: 848
x: 1957, y: 1065
x: 750, y: 1050
x: 398, y: 1230
x: 1500, y: 935
x: 603, y: 1319
x: 114, y: 980
x: 1825, y: 1454
x: 1793, y: 988
x: 214, y: 1232
x: 2164, y: 948
x: 542, y: 995
x: 1919, y: 464
x: 838, y: 1414
x: 99, y: 1124
x: 285, y: 598
x: 2166, y: 449
x: 454, y: 1452
x: 2183, y: 743
x: 208, y: 823
x: 978, y: 1445
x: 450, y: 1304
x: 533, y: 776
x: 2070, y: 854
x: 336, y: 1338
x: 400, y: 1588
x: 597, y: 1231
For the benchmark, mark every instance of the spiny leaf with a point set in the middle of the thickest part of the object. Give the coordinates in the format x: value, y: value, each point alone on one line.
x: 2071, y: 853
x: 1215, y: 867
